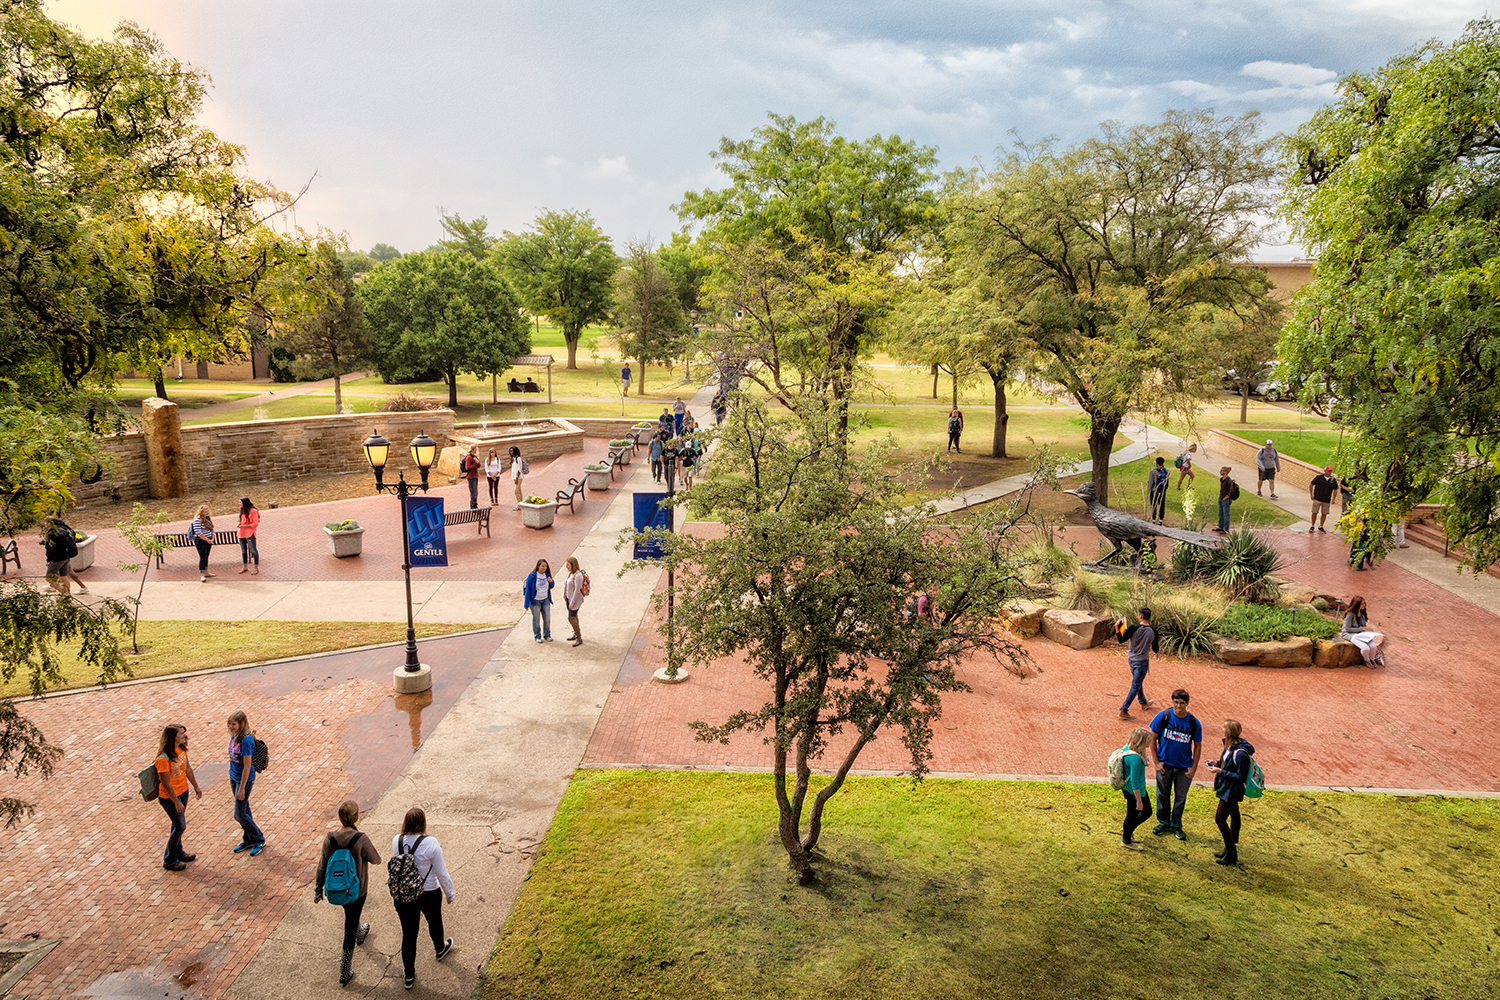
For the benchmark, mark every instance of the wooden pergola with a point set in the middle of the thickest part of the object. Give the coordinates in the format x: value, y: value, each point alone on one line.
x: 534, y: 360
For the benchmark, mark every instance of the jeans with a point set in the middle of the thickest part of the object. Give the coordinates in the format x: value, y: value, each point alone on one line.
x: 541, y: 619
x: 1172, y: 784
x: 1138, y: 670
x: 204, y: 548
x: 252, y: 834
x: 429, y: 905
x: 677, y: 423
x: 953, y: 439
x: 1159, y: 505
x: 473, y: 492
x: 1224, y: 513
x: 248, y: 552
x: 656, y: 470
x: 494, y: 489
x: 352, y: 912
x: 1135, y: 817
x: 174, y: 850
x: 1227, y: 818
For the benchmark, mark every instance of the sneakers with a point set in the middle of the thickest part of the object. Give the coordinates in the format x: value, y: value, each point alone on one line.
x: 1322, y: 529
x: 1311, y: 529
x: 442, y: 952
x: 1275, y: 497
x: 538, y: 638
x: 256, y: 849
x: 84, y: 590
x: 1161, y: 830
x: 1177, y: 832
x: 1124, y: 716
x: 242, y: 846
x: 1131, y: 845
x: 411, y: 981
x: 548, y: 638
x: 173, y: 866
x: 1226, y: 861
x: 188, y: 857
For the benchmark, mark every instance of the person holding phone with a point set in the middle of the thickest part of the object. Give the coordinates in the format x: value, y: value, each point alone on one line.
x: 1231, y: 771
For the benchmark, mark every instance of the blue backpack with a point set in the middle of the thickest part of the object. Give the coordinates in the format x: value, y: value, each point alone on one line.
x: 341, y: 877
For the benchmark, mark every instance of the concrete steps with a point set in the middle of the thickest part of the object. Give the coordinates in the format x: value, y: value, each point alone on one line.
x: 1423, y: 529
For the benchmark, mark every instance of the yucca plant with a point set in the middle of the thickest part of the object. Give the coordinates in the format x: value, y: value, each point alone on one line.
x: 1094, y: 593
x: 1184, y: 626
x: 1243, y: 565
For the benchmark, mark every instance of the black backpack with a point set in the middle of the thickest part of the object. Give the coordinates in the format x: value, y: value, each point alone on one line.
x: 1234, y: 491
x: 403, y: 877
x: 260, y: 756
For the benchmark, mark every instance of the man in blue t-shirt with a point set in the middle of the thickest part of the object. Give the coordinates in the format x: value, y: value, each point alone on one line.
x: 1179, y: 744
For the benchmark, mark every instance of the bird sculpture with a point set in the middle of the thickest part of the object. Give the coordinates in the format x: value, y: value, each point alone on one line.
x: 1123, y: 529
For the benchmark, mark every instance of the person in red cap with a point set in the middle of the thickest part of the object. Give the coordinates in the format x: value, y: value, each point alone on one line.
x: 1320, y: 491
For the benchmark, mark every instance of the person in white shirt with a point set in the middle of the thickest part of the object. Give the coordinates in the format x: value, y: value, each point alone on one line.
x: 517, y: 473
x: 573, y: 596
x: 493, y: 467
x: 413, y: 840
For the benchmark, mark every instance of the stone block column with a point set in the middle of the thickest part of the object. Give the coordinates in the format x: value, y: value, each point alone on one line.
x: 166, y: 466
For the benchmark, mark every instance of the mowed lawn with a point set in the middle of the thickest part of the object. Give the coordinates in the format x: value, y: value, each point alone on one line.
x: 674, y: 885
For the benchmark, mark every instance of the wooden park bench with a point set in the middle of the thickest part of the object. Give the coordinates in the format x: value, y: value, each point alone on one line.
x: 183, y: 540
x: 573, y: 491
x: 9, y: 554
x: 479, y: 515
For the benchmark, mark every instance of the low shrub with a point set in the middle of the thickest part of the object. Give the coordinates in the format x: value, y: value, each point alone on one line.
x: 1243, y: 565
x: 342, y: 525
x: 1184, y: 626
x: 1260, y: 623
x: 1095, y: 593
x: 406, y: 403
x: 1044, y: 561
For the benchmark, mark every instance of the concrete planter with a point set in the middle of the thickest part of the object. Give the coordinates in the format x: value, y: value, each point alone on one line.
x: 643, y: 433
x: 85, y: 557
x: 627, y: 450
x: 538, y: 515
x: 598, y: 479
x: 344, y: 544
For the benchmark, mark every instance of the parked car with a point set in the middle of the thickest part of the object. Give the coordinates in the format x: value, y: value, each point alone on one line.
x: 1274, y: 392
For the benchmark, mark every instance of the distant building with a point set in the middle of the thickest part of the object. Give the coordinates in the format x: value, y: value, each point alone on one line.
x: 1286, y: 275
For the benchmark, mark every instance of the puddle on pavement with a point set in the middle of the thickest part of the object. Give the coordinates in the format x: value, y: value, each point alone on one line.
x: 189, y: 976
x: 142, y: 983
x: 412, y: 705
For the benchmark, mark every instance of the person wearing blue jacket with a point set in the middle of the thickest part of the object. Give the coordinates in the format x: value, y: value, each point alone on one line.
x: 1230, y: 774
x: 1137, y: 802
x: 538, y: 593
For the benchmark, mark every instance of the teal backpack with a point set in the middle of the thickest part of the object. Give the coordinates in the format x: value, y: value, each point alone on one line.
x: 341, y: 877
x: 1255, y: 781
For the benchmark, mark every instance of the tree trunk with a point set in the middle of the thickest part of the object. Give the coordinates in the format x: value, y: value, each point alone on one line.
x: 955, y: 388
x: 1244, y: 400
x: 452, y: 375
x: 640, y: 389
x: 161, y: 384
x: 997, y: 444
x: 571, y: 335
x: 1101, y: 442
x: 338, y: 393
x: 934, y: 381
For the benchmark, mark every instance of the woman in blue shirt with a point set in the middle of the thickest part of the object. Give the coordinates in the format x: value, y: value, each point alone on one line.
x: 538, y: 594
x: 1230, y: 774
x: 242, y: 782
x: 1137, y: 802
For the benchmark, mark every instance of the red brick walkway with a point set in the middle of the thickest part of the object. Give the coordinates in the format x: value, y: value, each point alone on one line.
x: 1425, y: 721
x: 86, y: 867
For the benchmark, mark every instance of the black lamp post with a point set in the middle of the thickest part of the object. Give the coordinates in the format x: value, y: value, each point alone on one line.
x: 423, y: 453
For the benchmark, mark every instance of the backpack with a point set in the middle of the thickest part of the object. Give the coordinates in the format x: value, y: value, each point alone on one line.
x: 1177, y: 462
x: 150, y: 783
x: 525, y: 467
x: 403, y: 876
x: 1117, y: 768
x: 1234, y: 491
x: 584, y: 590
x: 260, y: 755
x: 954, y: 425
x: 341, y: 877
x: 1255, y: 781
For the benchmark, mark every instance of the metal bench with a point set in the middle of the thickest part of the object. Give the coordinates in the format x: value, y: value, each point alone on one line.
x: 617, y: 461
x: 480, y: 516
x: 573, y: 491
x: 9, y: 554
x: 183, y: 540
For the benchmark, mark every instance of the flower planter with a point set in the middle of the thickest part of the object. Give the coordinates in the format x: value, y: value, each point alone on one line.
x: 643, y: 434
x: 598, y: 479
x: 538, y: 515
x: 345, y: 543
x: 625, y: 448
x: 85, y: 557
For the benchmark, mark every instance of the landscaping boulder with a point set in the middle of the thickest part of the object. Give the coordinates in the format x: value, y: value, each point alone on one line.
x: 1078, y: 629
x: 1294, y: 652
x: 1024, y: 618
x: 1336, y: 653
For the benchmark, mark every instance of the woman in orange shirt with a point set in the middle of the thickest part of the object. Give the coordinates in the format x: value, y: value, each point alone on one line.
x: 249, y: 521
x: 173, y: 775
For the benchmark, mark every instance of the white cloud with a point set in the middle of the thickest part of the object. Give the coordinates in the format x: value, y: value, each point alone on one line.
x: 610, y: 168
x: 1082, y: 27
x: 1289, y: 74
x: 553, y: 161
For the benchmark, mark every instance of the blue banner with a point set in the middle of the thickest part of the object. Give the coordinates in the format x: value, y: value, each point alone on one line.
x: 424, y: 531
x: 651, y: 511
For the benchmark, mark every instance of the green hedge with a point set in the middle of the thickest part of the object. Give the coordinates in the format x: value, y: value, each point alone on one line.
x: 1260, y: 623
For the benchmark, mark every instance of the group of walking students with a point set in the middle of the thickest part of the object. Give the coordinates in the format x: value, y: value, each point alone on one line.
x: 418, y: 878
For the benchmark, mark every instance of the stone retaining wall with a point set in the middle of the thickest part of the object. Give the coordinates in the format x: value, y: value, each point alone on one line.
x: 1294, y: 471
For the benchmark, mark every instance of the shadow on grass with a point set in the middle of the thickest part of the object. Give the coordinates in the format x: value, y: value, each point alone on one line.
x: 673, y: 884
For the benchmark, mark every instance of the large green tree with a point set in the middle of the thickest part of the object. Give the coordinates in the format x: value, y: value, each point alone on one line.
x: 472, y: 237
x: 806, y: 206
x: 648, y: 316
x: 812, y: 582
x: 444, y: 310
x: 334, y: 341
x: 1394, y: 188
x: 564, y: 268
x: 1108, y: 254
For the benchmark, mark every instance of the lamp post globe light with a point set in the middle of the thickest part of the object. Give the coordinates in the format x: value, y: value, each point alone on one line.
x: 412, y: 676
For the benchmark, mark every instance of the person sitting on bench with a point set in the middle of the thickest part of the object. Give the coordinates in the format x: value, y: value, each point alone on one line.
x: 531, y: 386
x: 515, y: 386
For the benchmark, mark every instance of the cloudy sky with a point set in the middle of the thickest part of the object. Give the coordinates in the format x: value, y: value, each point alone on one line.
x: 393, y: 110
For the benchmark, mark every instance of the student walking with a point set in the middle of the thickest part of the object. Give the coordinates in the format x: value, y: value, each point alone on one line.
x: 1356, y: 629
x: 669, y: 452
x: 1156, y: 491
x: 470, y: 467
x: 174, y: 774
x: 494, y: 467
x: 625, y: 379
x: 1230, y: 774
x: 436, y: 884
x: 679, y: 410
x: 518, y: 469
x: 1267, y: 464
x: 657, y: 441
x: 202, y: 533
x: 575, y: 589
x: 538, y: 594
x: 1179, y: 744
x: 1320, y: 492
x: 242, y: 783
x: 955, y: 428
x: 60, y: 543
x: 1137, y: 802
x: 1140, y: 641
x: 347, y: 857
x: 249, y: 524
x: 1229, y: 492
x: 1184, y: 462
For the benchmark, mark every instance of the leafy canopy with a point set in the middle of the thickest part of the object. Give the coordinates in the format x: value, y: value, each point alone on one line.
x: 564, y: 268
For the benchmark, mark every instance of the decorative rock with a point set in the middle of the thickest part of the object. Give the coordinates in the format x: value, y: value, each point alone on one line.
x: 166, y: 464
x: 1024, y: 618
x: 1077, y: 629
x: 1336, y: 653
x: 1294, y: 652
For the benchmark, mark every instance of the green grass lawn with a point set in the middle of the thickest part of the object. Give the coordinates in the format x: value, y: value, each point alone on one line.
x: 148, y: 387
x: 1261, y: 419
x: 174, y: 647
x: 187, y: 399
x: 1127, y: 492
x: 922, y: 430
x: 674, y: 885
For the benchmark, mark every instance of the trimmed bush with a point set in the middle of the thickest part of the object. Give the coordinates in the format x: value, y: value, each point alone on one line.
x: 1261, y: 623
